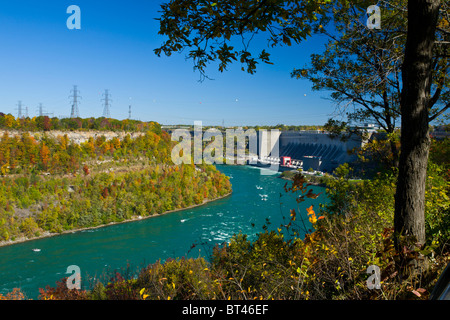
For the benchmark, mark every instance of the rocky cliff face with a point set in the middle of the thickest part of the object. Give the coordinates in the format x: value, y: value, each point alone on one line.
x: 75, y: 136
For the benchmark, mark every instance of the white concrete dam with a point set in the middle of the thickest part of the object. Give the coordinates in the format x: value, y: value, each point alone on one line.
x: 308, y: 149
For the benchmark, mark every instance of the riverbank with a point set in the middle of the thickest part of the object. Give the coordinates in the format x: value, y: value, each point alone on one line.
x: 47, y: 234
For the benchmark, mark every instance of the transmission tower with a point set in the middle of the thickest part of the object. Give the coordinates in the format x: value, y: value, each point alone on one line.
x: 19, y: 110
x: 106, y: 104
x: 75, y: 101
x: 129, y: 112
x: 41, y: 112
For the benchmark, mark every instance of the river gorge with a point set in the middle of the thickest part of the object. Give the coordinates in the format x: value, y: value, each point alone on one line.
x: 255, y: 198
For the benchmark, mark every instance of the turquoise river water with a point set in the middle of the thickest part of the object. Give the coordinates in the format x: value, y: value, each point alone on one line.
x: 101, y: 251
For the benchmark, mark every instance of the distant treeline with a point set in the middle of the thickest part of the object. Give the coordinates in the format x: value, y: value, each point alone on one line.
x: 26, y: 154
x: 45, y: 123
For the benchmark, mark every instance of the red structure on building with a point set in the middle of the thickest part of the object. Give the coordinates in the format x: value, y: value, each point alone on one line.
x: 285, y: 161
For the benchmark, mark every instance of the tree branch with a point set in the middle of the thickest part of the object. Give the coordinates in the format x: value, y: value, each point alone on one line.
x: 439, y: 113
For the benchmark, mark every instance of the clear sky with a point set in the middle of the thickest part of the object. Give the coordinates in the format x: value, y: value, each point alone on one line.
x: 41, y: 60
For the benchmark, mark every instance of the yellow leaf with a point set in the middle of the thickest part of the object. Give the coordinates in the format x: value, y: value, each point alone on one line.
x: 145, y: 296
x: 142, y: 291
x: 312, y: 219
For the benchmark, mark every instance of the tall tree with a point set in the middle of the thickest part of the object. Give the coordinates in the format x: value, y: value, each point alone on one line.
x: 370, y: 70
x: 362, y: 69
x: 415, y: 103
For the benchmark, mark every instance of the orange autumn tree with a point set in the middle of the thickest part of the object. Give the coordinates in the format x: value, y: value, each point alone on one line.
x: 45, y: 155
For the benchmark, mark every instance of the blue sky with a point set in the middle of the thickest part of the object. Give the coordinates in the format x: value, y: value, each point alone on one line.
x: 41, y: 60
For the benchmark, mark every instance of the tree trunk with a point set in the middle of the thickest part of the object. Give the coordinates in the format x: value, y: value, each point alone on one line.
x: 409, y: 218
x: 395, y: 154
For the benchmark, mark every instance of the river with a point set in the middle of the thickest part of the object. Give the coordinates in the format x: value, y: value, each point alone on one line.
x: 255, y: 197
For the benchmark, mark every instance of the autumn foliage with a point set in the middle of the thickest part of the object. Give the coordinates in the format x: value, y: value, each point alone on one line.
x: 58, y: 184
x: 321, y: 252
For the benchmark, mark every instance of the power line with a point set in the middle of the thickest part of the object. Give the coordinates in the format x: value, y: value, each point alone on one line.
x: 41, y: 111
x: 75, y: 101
x: 106, y: 104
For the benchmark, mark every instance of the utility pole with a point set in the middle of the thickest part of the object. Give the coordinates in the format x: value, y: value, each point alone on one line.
x: 106, y: 104
x: 75, y: 97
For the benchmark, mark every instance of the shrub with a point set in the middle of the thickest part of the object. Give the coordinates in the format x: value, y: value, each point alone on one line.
x: 61, y: 292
